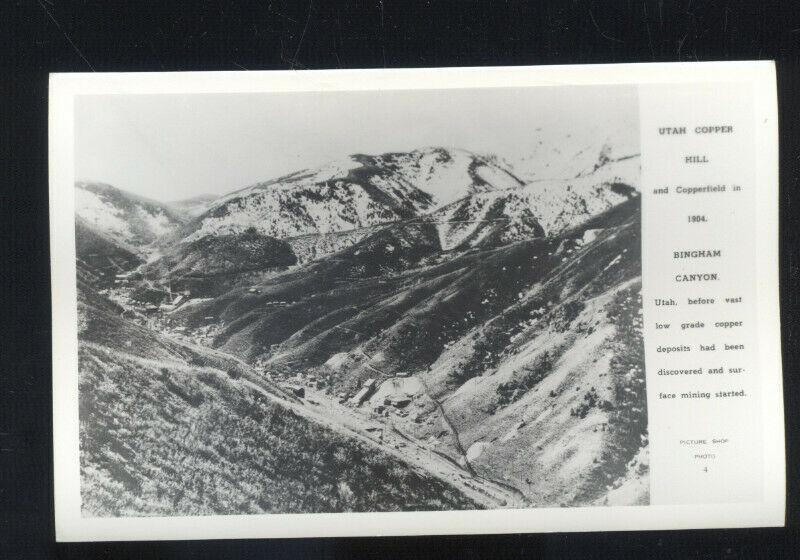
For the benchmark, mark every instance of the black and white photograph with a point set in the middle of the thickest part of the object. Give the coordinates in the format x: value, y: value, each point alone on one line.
x: 359, y: 301
x: 344, y: 280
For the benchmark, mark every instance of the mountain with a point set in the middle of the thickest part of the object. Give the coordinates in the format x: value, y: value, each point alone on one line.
x: 321, y: 211
x: 172, y: 429
x: 545, y: 207
x: 361, y: 191
x: 535, y: 344
x: 127, y: 219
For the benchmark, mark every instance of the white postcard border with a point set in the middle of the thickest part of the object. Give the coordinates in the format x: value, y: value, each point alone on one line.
x: 71, y: 526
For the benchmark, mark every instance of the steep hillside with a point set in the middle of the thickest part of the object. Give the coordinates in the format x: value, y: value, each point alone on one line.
x: 540, y: 208
x: 98, y: 258
x: 453, y: 290
x: 169, y: 429
x: 559, y: 373
x: 212, y: 264
x: 474, y: 199
x: 129, y: 220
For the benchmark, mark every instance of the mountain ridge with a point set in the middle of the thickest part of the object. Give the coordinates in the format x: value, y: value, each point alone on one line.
x: 365, y: 191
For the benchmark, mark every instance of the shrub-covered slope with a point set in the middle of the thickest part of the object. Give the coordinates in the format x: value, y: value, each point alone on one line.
x: 168, y: 429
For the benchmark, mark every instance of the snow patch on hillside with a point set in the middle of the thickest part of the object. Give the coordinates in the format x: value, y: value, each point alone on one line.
x: 516, y: 213
x: 360, y: 191
x: 101, y: 215
x: 283, y: 213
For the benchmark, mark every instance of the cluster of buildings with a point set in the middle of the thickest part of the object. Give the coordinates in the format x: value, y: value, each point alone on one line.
x: 170, y: 300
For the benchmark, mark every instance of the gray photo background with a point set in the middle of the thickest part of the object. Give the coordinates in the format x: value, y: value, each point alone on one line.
x: 360, y: 301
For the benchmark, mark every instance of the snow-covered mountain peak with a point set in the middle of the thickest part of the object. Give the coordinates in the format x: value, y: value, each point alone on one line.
x: 359, y: 191
x: 473, y: 199
x: 448, y: 174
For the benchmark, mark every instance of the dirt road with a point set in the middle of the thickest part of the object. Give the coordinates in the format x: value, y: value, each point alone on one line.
x: 389, y: 438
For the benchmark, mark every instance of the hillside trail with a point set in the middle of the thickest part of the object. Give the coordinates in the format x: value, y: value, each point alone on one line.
x: 384, y: 434
x: 387, y: 437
